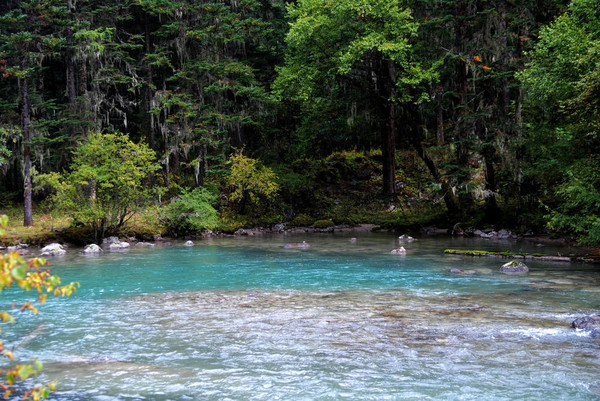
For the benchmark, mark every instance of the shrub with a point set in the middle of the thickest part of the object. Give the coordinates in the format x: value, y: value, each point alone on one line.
x: 302, y: 220
x: 192, y: 212
x: 323, y: 224
x: 250, y: 181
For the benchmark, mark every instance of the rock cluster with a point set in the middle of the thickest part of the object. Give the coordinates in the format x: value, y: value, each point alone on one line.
x: 491, y: 234
x: 115, y: 243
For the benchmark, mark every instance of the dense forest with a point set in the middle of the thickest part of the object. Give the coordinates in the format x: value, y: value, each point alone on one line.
x: 222, y: 114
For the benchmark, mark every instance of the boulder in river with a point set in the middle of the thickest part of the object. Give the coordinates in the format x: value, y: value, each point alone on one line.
x: 118, y: 245
x: 53, y: 249
x: 588, y: 323
x: 145, y: 244
x: 405, y: 238
x: 189, y: 243
x: 92, y: 249
x: 514, y: 267
x: 399, y: 251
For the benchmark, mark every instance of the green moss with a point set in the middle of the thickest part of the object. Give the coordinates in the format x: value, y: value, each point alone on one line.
x: 484, y: 253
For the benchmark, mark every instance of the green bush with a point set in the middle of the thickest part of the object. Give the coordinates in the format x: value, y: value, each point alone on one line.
x: 192, y: 212
x: 302, y: 220
x: 323, y: 224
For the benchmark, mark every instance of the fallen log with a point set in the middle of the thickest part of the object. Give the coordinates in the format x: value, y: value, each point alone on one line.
x: 520, y: 255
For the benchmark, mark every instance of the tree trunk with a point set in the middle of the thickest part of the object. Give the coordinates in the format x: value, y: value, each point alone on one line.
x: 440, y: 124
x: 388, y: 131
x: 149, y: 84
x: 71, y: 73
x: 28, y: 215
x: 415, y: 140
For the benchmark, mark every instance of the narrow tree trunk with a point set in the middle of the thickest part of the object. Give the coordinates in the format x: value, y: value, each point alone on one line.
x: 440, y: 125
x: 462, y: 138
x: 415, y: 140
x: 28, y: 215
x: 388, y: 133
x: 71, y: 83
x: 149, y: 84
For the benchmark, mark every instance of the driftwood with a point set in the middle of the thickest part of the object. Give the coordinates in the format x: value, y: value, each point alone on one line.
x: 528, y: 256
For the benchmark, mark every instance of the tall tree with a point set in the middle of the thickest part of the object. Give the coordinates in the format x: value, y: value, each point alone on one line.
x: 29, y: 38
x: 562, y: 85
x: 360, y: 43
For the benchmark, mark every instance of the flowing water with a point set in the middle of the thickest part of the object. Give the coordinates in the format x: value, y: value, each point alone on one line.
x: 246, y: 319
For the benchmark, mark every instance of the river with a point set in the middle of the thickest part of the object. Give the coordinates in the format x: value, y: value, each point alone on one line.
x: 246, y: 319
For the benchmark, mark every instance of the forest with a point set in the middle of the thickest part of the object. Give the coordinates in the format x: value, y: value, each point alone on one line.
x: 194, y: 115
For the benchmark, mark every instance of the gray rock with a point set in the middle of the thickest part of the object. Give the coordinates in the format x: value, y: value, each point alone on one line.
x: 110, y: 240
x: 92, y: 249
x: 157, y: 237
x: 588, y: 323
x: 188, y: 243
x: 53, y: 249
x: 405, y: 238
x: 278, y: 228
x: 17, y: 247
x: 514, y: 267
x: 118, y: 245
x: 399, y: 251
x: 240, y: 231
x: 504, y: 234
x: 145, y: 244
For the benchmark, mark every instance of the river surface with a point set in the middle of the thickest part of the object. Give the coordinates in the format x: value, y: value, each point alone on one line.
x: 246, y: 319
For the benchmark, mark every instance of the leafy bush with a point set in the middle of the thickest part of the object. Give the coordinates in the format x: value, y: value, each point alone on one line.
x: 250, y: 181
x: 302, y: 220
x: 192, y: 212
x: 323, y: 224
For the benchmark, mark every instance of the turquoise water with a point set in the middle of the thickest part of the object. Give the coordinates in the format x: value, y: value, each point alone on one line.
x: 245, y: 319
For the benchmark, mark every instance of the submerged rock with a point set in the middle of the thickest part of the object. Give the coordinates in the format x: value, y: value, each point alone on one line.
x: 145, y: 244
x: 588, y: 323
x: 514, y: 267
x: 189, y: 243
x: 353, y: 239
x: 302, y: 244
x: 53, y: 249
x: 399, y: 251
x: 92, y: 249
x: 456, y: 270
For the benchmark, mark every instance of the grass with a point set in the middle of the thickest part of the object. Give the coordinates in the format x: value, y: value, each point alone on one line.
x: 45, y: 227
